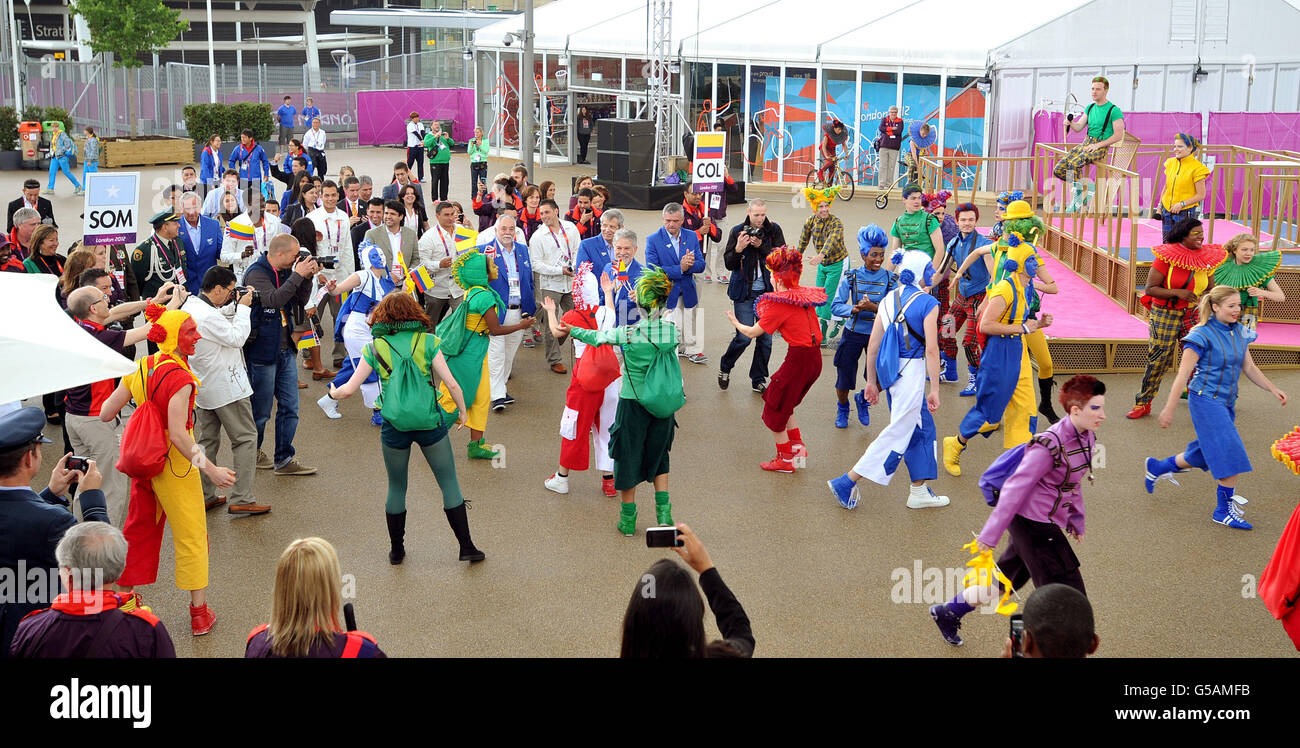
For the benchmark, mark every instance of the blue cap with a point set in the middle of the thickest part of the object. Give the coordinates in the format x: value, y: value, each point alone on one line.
x: 21, y: 428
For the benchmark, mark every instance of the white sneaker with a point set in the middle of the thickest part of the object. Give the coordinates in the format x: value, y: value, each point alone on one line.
x: 330, y: 406
x: 557, y: 483
x: 921, y: 497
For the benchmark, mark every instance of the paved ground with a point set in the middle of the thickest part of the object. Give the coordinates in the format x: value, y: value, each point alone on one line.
x: 816, y: 580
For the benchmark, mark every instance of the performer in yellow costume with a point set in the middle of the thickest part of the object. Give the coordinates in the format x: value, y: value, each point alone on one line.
x: 1004, y: 386
x: 176, y: 493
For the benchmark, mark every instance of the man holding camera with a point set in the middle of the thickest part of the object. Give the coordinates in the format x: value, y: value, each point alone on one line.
x: 748, y: 245
x: 551, y: 250
x: 222, y: 313
x: 32, y: 524
x: 334, y: 253
x: 88, y: 435
x: 282, y: 278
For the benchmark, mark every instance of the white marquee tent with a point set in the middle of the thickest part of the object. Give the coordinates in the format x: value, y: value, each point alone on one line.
x: 783, y: 65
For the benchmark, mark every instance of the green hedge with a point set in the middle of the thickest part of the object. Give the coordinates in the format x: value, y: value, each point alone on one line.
x: 202, y: 121
x: 8, y: 128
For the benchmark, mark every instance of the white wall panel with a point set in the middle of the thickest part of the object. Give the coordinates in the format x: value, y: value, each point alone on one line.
x: 1286, y: 91
x: 1149, y: 96
x: 1236, y: 88
x: 1206, y: 93
x: 1015, y: 104
x: 1178, y: 89
x: 1121, y: 86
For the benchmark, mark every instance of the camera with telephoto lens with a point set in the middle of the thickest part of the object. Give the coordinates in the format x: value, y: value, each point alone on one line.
x: 241, y: 291
x: 755, y: 232
x: 327, y: 261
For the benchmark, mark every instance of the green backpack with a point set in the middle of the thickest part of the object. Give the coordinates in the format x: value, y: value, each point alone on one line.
x: 408, y: 398
x: 661, y: 393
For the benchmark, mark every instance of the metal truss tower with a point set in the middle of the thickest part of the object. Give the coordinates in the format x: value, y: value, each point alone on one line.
x: 659, y: 81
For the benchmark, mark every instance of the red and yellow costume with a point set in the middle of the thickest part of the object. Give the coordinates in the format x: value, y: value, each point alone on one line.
x: 175, y: 494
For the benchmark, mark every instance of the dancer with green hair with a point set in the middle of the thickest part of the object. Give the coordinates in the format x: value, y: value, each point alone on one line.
x: 642, y: 434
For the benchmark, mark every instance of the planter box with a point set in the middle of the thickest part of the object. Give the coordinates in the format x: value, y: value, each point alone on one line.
x: 11, y: 160
x: 148, y: 150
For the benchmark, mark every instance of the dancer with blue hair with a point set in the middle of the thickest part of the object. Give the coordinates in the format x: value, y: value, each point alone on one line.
x: 856, y: 301
x: 903, y: 353
x: 368, y: 286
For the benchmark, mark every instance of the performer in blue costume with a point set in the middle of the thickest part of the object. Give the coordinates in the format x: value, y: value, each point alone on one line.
x: 365, y: 289
x: 856, y: 300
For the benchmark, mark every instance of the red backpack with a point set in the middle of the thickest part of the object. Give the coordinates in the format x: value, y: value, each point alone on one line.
x: 144, y: 441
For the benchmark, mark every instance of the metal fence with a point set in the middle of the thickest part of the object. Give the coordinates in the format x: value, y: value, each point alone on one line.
x: 96, y: 93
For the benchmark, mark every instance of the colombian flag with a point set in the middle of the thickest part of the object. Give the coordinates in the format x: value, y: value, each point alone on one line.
x: 422, y: 279
x: 709, y: 145
x: 465, y: 238
x: 239, y: 231
x: 308, y: 340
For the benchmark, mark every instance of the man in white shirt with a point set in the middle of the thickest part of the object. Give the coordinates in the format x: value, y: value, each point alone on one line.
x: 224, y: 401
x: 414, y: 144
x: 314, y: 141
x: 333, y: 239
x: 551, y: 250
x: 437, y: 252
x: 229, y: 183
x: 239, y: 254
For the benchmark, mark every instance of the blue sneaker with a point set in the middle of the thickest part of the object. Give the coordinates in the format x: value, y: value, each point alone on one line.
x: 864, y: 415
x: 949, y: 373
x: 970, y: 387
x: 841, y: 415
x: 1158, y: 470
x: 1231, y: 515
x: 376, y: 419
x: 845, y: 490
x: 948, y: 623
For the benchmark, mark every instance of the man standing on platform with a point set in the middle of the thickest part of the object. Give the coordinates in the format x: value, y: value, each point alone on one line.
x: 678, y: 253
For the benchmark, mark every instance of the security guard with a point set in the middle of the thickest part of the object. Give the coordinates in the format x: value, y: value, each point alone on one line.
x: 32, y: 524
x: 160, y: 259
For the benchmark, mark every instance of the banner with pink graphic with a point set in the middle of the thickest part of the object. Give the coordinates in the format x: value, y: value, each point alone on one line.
x: 382, y: 115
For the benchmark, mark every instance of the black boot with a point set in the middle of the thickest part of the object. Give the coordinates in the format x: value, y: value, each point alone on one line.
x: 396, y: 533
x: 460, y: 525
x: 1045, y: 399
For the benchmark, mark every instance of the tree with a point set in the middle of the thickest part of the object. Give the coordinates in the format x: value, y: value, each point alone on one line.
x: 130, y: 29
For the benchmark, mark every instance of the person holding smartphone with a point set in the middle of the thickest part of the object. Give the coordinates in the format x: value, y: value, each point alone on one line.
x: 1039, y: 505
x: 665, y: 618
x: 1057, y: 624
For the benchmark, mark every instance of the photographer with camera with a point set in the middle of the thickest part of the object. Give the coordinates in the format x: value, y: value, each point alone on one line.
x: 222, y: 312
x: 748, y: 245
x: 334, y: 253
x: 282, y: 277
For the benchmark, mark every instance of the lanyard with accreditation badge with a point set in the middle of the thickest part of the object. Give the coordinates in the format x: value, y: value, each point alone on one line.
x: 175, y: 264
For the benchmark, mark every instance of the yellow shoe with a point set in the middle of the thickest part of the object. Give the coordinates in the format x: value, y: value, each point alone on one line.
x: 132, y: 602
x: 952, y: 455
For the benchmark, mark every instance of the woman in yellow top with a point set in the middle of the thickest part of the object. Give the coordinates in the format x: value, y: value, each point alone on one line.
x: 1185, y: 180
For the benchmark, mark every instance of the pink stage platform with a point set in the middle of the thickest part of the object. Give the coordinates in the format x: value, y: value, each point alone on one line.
x: 1149, y: 234
x: 1080, y: 311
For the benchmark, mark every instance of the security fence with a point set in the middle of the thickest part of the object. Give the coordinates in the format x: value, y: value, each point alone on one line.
x: 98, y: 94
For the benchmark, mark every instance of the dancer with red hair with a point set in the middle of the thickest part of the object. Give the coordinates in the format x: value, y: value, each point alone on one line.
x: 175, y: 494
x: 788, y: 310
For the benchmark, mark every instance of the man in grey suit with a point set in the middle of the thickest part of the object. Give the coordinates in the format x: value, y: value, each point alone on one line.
x: 403, y: 176
x: 393, y: 236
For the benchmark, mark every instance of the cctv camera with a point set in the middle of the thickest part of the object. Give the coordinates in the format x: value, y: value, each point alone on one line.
x: 510, y: 39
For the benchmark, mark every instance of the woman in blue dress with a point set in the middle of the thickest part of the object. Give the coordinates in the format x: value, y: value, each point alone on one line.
x: 1215, y: 355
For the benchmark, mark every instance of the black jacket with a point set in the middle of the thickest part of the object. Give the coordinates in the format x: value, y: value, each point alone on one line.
x: 744, y: 266
x: 288, y: 295
x: 43, y: 207
x: 732, y: 622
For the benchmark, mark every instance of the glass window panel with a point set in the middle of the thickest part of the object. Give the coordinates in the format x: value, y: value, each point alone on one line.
x: 763, y: 147
x: 801, y: 128
x: 963, y: 129
x: 596, y: 72
x: 839, y: 102
x: 879, y: 92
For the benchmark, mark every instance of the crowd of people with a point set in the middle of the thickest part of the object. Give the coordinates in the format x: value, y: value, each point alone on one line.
x: 424, y: 305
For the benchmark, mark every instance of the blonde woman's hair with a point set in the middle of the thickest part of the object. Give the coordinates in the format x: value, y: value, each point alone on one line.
x: 1238, y: 240
x: 307, y: 599
x: 1216, y: 295
x: 78, y: 262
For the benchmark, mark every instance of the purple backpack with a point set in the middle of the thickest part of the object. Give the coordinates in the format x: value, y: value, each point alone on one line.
x: 1005, y: 465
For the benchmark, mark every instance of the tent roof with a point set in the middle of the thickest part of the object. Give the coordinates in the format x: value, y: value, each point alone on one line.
x: 791, y: 31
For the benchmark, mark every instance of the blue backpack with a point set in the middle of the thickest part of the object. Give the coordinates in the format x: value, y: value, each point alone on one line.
x: 1005, y: 466
x: 889, y: 355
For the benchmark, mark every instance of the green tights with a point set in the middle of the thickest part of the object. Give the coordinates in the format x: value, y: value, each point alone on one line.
x: 438, y: 455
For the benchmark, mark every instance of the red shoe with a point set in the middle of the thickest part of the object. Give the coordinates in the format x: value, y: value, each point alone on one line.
x: 1140, y: 411
x: 607, y: 485
x: 778, y: 464
x: 202, y: 619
